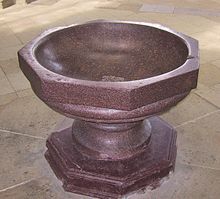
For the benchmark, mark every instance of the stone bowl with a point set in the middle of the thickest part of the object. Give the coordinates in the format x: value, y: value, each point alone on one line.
x: 110, y: 76
x: 111, y: 71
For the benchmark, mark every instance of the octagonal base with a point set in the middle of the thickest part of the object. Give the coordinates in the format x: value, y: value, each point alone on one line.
x: 112, y: 179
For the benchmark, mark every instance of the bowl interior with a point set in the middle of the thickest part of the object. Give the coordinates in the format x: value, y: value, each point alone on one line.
x: 105, y: 51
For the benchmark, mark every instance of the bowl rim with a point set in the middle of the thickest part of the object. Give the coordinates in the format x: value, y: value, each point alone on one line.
x: 191, y: 63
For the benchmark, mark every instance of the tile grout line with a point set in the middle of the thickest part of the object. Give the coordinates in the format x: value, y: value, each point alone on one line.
x: 176, y: 10
x: 21, y: 43
x: 196, y: 119
x: 8, y: 80
x: 22, y: 134
x: 210, y: 89
x: 17, y: 185
x: 209, y: 62
x: 200, y: 166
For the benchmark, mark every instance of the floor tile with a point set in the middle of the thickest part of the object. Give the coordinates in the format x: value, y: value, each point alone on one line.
x: 20, y: 155
x: 213, y: 18
x: 198, y: 142
x: 201, y: 4
x: 41, y: 188
x: 157, y: 8
x: 75, y: 19
x: 209, y: 53
x: 45, y: 2
x: 210, y: 94
x: 173, y: 21
x: 9, y: 52
x: 209, y: 75
x: 28, y: 115
x: 96, y: 13
x: 10, y: 66
x: 5, y: 86
x: 5, y: 30
x: 188, y: 109
x: 201, y: 24
x: 2, y: 74
x: 209, y: 46
x: 18, y: 81
x: 141, y: 17
x: 14, y: 74
x: 29, y: 35
x: 216, y: 63
x: 8, y: 40
x: 134, y: 7
x: 64, y: 123
x: 65, y: 3
x: 118, y: 15
x: 108, y: 4
x: 196, y: 11
x: 7, y: 98
x: 106, y: 14
x: 47, y: 21
x: 207, y: 38
x: 186, y: 183
x: 25, y: 29
x: 25, y: 92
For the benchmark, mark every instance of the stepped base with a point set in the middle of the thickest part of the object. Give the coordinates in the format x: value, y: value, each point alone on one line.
x: 112, y: 179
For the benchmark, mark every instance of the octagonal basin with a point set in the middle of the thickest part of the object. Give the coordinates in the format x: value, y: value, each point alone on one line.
x: 111, y: 71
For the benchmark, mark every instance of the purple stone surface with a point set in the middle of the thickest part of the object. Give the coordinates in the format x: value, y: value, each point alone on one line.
x: 111, y: 77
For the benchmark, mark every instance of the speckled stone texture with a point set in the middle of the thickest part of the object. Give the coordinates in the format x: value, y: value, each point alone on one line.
x: 91, y: 100
x: 113, y: 179
x: 110, y: 76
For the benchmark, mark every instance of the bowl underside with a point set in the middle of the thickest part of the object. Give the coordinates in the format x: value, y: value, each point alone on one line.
x: 111, y: 52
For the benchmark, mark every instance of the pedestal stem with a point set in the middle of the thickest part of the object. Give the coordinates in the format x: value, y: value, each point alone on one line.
x: 111, y: 141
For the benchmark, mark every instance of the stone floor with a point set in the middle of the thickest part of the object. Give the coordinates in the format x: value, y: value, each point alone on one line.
x: 25, y: 121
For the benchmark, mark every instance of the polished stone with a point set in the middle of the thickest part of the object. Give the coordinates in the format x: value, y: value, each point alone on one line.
x: 199, y: 180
